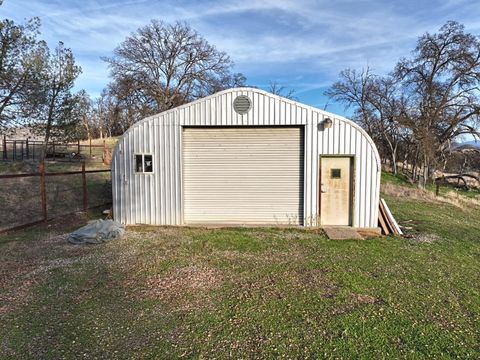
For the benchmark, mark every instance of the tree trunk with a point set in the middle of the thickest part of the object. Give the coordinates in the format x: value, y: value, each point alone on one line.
x: 394, y: 162
x: 393, y: 155
x: 425, y: 172
x: 87, y: 127
x: 414, y: 167
x: 46, y: 140
x: 49, y: 122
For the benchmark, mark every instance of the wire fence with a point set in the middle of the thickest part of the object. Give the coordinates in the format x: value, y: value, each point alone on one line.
x: 25, y: 149
x: 31, y: 198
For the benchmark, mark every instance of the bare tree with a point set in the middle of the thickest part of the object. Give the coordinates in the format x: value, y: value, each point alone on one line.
x: 280, y: 90
x: 441, y: 84
x: 425, y: 104
x: 131, y: 102
x: 377, y: 107
x: 161, y: 66
x: 226, y: 82
x: 108, y: 113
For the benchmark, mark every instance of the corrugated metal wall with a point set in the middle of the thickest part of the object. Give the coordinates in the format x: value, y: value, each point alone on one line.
x: 157, y: 198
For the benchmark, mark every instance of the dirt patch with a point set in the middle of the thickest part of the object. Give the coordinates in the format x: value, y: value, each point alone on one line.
x: 341, y: 233
x: 369, y: 234
x: 366, y: 299
x: 354, y: 302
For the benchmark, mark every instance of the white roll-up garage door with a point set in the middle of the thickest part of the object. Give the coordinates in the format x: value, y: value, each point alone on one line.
x: 243, y: 175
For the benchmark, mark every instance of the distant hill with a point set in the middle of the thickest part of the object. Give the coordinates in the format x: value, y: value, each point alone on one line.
x: 21, y: 133
x: 468, y: 145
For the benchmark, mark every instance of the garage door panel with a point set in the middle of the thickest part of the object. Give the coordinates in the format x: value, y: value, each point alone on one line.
x: 243, y: 175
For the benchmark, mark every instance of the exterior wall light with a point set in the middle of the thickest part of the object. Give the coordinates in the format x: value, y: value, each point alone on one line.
x: 327, y: 123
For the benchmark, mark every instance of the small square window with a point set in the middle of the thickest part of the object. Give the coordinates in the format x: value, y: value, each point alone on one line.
x: 143, y: 163
x: 336, y: 173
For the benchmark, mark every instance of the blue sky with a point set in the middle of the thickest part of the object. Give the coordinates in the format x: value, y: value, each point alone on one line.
x: 300, y: 44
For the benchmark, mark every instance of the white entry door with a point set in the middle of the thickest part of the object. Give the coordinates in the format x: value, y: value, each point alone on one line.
x: 336, y: 191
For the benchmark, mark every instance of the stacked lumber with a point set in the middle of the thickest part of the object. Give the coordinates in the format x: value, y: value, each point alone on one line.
x: 386, y: 220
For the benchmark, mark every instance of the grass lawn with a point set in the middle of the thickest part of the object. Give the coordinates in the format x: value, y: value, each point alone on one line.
x: 247, y: 293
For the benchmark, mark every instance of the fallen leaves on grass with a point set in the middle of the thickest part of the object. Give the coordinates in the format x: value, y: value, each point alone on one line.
x: 39, y: 258
x: 180, y: 283
x: 314, y: 279
x: 425, y: 238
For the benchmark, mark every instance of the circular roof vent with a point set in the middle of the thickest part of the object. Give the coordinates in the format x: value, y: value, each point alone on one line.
x: 242, y: 104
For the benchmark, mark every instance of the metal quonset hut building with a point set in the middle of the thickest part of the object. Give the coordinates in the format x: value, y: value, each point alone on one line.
x: 245, y: 156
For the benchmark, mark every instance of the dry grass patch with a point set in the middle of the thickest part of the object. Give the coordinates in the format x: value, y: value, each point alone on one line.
x: 414, y: 193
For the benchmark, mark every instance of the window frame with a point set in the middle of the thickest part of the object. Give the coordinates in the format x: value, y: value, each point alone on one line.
x: 143, y: 164
x: 333, y: 173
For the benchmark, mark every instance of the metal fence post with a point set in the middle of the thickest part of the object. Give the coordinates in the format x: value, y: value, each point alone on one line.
x: 84, y: 187
x: 5, y: 156
x: 43, y: 191
x: 42, y: 174
x: 103, y: 152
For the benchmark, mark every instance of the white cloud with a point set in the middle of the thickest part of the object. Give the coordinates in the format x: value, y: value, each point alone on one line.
x: 305, y: 42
